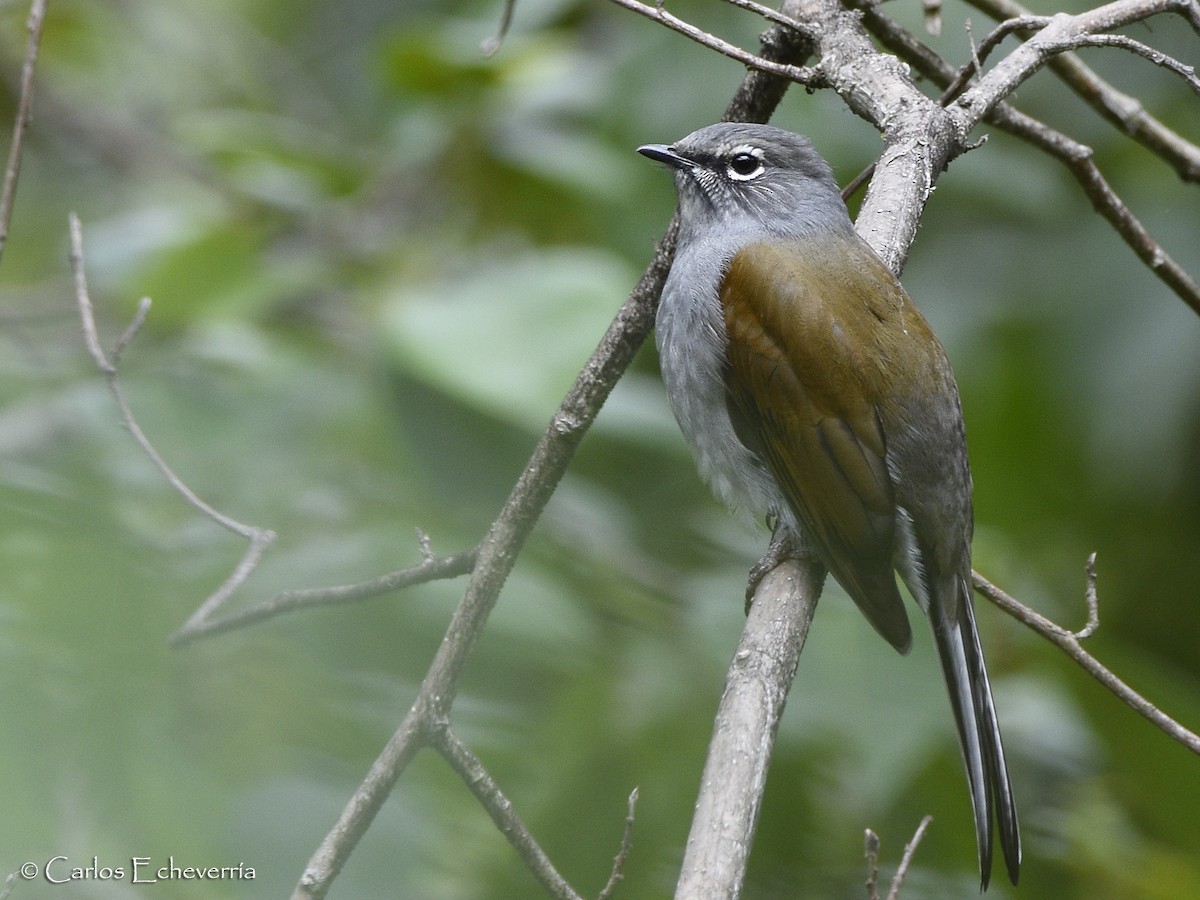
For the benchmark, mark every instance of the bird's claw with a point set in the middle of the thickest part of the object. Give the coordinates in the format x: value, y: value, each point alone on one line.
x: 782, y: 547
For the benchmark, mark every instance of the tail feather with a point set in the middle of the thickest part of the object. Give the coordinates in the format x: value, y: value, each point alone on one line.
x: 993, y: 746
x: 966, y: 677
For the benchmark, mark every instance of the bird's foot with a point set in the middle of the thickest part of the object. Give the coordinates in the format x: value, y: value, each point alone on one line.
x: 783, y: 546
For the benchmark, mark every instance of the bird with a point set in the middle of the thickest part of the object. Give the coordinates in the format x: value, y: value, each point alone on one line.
x: 813, y: 395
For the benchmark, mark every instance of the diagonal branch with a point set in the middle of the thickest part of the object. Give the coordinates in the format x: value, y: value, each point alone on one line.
x: 618, y: 868
x: 756, y: 688
x: 1071, y: 644
x: 910, y: 850
x: 37, y: 17
x: 755, y: 100
x: 798, y: 74
x: 475, y: 775
x: 497, y: 555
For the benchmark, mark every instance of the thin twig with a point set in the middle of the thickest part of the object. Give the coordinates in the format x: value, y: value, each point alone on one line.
x: 430, y: 568
x: 37, y: 17
x: 910, y: 850
x: 1092, y: 601
x: 1069, y: 643
x: 775, y: 16
x: 805, y: 75
x: 618, y: 867
x: 475, y: 775
x: 871, y: 848
x: 1061, y: 33
x: 259, y: 538
x: 1187, y: 73
x: 202, y: 623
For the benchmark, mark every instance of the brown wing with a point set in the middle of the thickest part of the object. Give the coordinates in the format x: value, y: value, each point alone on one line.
x: 806, y: 382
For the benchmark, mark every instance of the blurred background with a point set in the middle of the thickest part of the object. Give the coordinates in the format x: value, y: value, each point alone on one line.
x: 377, y: 261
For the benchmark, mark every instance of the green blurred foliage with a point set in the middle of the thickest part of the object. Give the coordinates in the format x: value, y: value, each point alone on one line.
x: 377, y: 260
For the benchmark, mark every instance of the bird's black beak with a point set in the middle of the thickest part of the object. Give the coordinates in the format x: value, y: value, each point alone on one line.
x: 664, y: 154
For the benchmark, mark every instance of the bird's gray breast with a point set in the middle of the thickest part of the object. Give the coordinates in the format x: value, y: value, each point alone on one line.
x: 691, y: 337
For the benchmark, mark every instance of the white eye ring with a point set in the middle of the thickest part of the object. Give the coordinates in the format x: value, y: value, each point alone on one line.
x: 745, y: 163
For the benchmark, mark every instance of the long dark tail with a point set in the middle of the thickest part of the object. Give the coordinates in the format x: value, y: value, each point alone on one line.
x: 978, y: 731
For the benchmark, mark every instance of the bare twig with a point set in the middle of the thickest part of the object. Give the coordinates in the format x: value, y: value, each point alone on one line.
x: 202, y: 622
x: 37, y: 16
x: 1187, y: 73
x: 1092, y: 601
x: 799, y: 74
x: 1069, y: 643
x: 430, y: 568
x: 910, y: 850
x: 1125, y: 112
x: 473, y: 773
x: 259, y: 538
x: 871, y: 848
x: 618, y: 868
x: 775, y: 16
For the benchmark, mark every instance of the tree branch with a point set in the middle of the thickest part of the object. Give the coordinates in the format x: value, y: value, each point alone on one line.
x: 431, y: 568
x: 497, y: 553
x: 1123, y: 111
x: 259, y: 538
x: 1062, y: 32
x: 1075, y: 156
x: 756, y: 688
x: 618, y: 869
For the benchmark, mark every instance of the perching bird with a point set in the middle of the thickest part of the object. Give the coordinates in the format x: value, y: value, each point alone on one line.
x: 813, y: 393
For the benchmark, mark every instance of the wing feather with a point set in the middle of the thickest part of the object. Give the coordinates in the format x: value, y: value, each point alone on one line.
x: 806, y: 398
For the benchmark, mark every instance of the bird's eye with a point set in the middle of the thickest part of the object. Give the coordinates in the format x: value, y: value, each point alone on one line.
x: 745, y: 165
